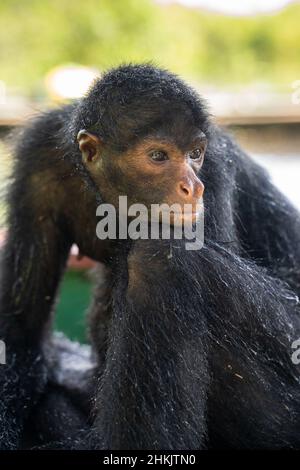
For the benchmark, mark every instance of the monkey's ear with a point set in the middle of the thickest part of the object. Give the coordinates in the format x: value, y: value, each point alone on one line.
x: 89, y: 145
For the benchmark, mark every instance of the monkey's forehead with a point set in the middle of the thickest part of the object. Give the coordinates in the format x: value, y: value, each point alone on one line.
x: 182, y: 139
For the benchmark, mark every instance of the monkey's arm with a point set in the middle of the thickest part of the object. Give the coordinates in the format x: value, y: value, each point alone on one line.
x: 267, y: 222
x: 32, y: 263
x: 50, y: 206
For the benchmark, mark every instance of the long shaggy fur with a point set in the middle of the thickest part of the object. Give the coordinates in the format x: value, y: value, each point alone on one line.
x: 196, y: 347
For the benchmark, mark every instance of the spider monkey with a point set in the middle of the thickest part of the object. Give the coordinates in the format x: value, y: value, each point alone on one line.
x: 193, y: 348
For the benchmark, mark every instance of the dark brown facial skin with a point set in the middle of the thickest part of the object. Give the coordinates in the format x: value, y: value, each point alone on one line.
x: 154, y: 171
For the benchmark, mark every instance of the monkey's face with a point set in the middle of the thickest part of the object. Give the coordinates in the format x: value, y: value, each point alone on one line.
x: 155, y: 171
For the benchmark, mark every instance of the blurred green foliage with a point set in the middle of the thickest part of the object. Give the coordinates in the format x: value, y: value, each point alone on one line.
x: 74, y: 300
x: 36, y: 35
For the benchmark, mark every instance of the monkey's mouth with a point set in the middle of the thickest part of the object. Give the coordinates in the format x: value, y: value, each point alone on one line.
x: 189, y: 213
x: 173, y: 214
x: 180, y: 217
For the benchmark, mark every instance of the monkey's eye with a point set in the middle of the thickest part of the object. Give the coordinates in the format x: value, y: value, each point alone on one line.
x: 196, y: 154
x: 158, y: 156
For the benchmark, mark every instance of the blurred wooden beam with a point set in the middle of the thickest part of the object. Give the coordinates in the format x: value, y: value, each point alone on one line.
x: 228, y: 108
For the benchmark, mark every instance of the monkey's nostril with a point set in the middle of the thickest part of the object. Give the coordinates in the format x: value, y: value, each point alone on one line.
x: 185, y: 189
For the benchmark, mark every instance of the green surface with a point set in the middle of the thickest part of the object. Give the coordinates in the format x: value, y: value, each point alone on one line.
x: 74, y: 300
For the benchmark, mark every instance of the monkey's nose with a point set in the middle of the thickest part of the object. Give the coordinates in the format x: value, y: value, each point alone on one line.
x: 190, y: 190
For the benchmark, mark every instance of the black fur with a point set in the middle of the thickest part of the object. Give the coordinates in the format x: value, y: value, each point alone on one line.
x: 203, y: 363
x: 196, y: 346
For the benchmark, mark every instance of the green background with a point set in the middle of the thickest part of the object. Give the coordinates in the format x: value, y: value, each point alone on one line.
x: 74, y: 300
